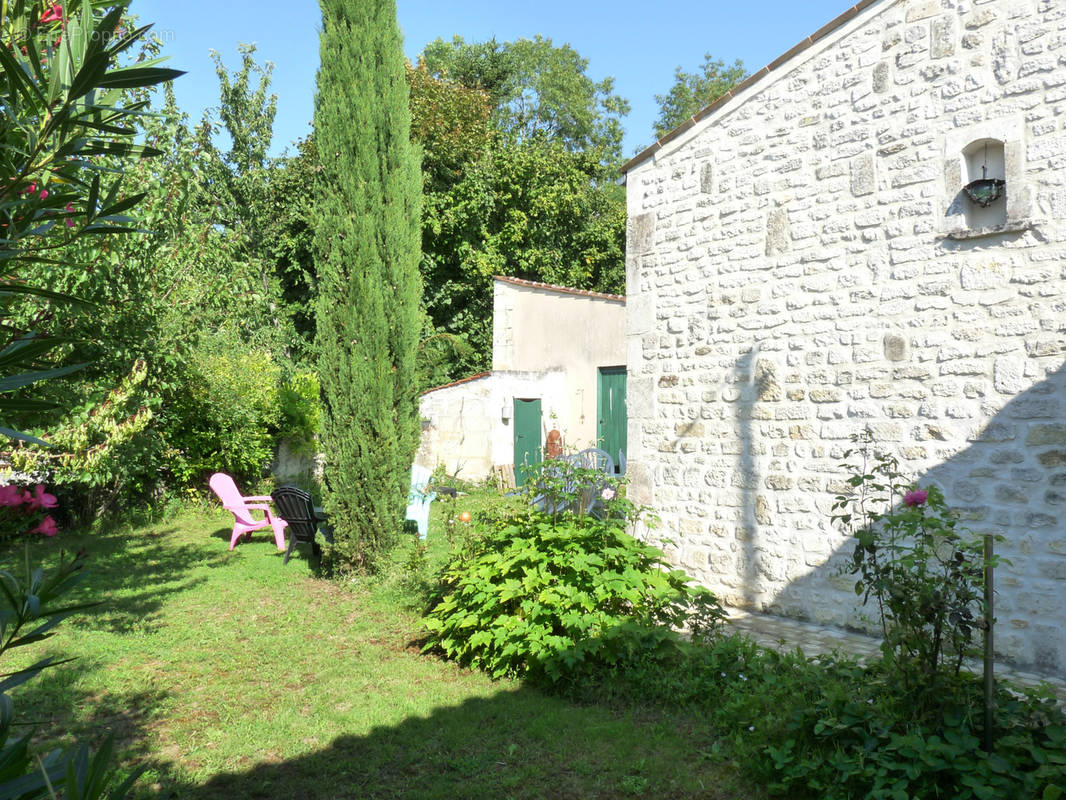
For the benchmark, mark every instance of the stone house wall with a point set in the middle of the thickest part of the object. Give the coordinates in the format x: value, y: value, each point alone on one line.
x: 802, y: 264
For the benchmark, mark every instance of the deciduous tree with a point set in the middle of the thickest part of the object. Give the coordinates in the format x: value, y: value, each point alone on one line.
x: 694, y: 90
x: 538, y: 90
x: 518, y: 147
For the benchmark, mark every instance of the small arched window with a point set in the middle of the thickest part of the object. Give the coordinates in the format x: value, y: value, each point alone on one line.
x: 985, y: 184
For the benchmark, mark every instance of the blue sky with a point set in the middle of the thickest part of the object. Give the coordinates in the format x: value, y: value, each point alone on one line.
x: 639, y: 44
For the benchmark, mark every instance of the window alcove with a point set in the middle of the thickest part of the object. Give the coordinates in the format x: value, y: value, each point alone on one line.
x: 984, y: 184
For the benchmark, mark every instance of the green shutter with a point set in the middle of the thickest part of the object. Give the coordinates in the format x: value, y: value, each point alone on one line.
x: 526, y: 438
x: 611, y: 419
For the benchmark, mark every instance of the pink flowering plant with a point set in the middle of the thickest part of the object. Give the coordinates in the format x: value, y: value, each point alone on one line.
x: 25, y: 511
x: 72, y: 92
x: 922, y: 570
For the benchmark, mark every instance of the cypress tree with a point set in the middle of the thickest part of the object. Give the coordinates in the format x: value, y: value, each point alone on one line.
x: 367, y: 247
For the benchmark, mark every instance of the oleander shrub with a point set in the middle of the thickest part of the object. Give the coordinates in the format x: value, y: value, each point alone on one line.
x: 562, y: 599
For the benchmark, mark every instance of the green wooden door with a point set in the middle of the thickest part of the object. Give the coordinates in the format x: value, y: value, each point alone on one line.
x: 612, y: 419
x: 526, y: 438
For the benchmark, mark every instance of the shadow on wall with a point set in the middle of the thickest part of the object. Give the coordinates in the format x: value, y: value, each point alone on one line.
x: 1008, y: 478
x: 753, y: 382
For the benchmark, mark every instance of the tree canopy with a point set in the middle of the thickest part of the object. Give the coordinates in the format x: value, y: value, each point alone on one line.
x: 497, y: 201
x: 537, y: 90
x: 694, y: 90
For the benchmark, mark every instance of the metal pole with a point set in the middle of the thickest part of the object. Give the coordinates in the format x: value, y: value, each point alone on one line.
x: 989, y: 738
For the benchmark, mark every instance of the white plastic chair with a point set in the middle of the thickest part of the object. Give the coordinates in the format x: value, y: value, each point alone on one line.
x: 419, y: 499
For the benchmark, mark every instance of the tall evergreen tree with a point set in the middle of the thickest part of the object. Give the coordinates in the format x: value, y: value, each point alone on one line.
x: 367, y: 226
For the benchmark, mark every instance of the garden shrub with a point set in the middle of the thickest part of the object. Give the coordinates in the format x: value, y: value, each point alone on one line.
x: 832, y: 728
x: 301, y: 411
x: 103, y: 451
x: 562, y: 598
x: 924, y: 572
x: 227, y: 416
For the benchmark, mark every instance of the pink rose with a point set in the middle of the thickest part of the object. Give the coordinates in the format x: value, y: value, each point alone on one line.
x: 46, y: 528
x: 10, y: 495
x: 915, y: 497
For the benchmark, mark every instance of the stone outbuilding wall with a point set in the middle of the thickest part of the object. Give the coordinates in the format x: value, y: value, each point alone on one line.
x: 548, y: 344
x: 802, y: 264
x: 464, y: 428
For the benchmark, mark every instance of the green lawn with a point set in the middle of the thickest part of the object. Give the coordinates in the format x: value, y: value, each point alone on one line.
x: 231, y: 676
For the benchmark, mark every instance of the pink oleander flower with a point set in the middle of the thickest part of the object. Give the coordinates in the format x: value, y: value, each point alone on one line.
x: 10, y: 495
x: 44, y: 194
x: 46, y: 528
x: 42, y: 499
x: 54, y: 14
x: 915, y: 497
x: 69, y: 221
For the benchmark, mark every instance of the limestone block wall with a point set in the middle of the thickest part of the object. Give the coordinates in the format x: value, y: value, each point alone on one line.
x: 457, y: 428
x: 296, y: 465
x: 463, y: 427
x: 802, y: 264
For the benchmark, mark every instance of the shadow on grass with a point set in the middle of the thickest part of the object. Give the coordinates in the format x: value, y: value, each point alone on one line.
x: 516, y: 744
x: 59, y: 713
x: 132, y: 575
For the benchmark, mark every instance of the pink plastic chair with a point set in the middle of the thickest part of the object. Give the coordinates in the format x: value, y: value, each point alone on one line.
x: 243, y: 521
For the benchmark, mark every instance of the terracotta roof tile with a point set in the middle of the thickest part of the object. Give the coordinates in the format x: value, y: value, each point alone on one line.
x: 467, y: 379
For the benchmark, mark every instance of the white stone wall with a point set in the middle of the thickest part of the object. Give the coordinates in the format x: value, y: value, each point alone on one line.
x: 801, y: 264
x: 463, y: 425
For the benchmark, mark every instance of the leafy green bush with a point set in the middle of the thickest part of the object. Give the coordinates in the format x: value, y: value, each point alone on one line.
x: 301, y: 410
x: 562, y: 598
x: 101, y: 451
x: 228, y: 414
x: 832, y: 728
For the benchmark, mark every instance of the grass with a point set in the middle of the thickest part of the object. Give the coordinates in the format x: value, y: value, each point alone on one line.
x: 231, y: 676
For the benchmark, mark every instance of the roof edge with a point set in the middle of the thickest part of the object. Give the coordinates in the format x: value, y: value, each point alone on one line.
x: 755, y: 77
x: 467, y: 379
x: 618, y: 298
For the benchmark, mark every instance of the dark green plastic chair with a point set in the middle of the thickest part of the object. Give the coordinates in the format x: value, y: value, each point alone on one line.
x: 296, y: 508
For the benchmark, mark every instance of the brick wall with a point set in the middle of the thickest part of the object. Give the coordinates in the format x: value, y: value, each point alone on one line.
x: 802, y: 264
